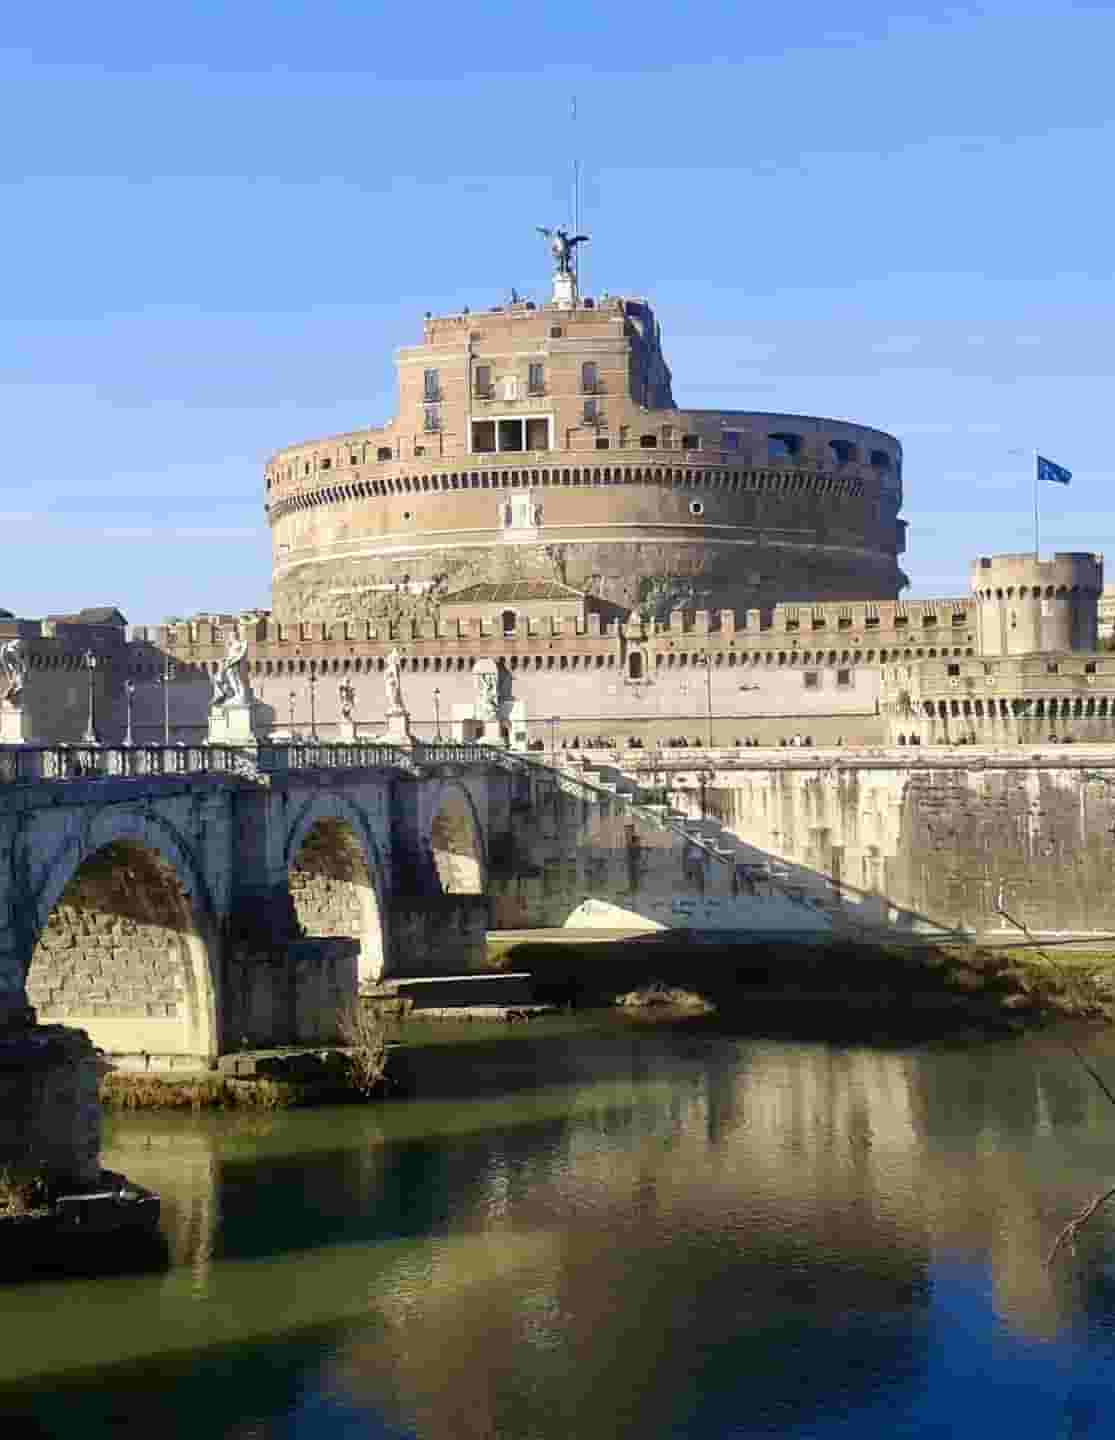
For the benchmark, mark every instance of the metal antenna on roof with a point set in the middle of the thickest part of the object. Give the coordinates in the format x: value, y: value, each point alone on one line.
x: 576, y: 194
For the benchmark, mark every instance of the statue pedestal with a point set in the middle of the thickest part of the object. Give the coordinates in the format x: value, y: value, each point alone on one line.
x: 233, y: 724
x: 565, y: 291
x: 15, y: 725
x: 398, y: 729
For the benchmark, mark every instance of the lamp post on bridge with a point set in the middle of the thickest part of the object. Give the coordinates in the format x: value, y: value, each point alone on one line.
x: 169, y: 672
x: 437, y: 713
x: 89, y: 660
x: 129, y: 692
x: 706, y: 661
x: 553, y: 739
x: 292, y: 699
x: 313, y: 707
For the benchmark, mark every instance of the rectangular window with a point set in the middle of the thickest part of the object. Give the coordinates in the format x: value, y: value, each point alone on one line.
x: 432, y: 387
x: 667, y: 437
x: 690, y: 442
x: 483, y: 382
x: 510, y: 434
x: 588, y: 377
x: 811, y: 679
x: 1052, y: 668
x: 844, y: 623
x: 590, y: 411
x: 602, y: 442
x: 844, y: 678
x: 729, y: 440
x: 536, y: 378
x: 538, y: 434
x: 1089, y: 667
x: 484, y: 436
x: 954, y: 669
x: 871, y: 623
x: 432, y: 418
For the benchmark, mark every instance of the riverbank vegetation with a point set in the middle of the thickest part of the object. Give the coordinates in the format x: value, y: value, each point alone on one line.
x: 835, y: 990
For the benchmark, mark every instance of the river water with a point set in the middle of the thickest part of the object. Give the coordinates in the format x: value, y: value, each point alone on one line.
x: 591, y: 1229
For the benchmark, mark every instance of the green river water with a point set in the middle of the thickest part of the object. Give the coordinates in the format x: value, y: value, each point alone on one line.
x: 584, y: 1228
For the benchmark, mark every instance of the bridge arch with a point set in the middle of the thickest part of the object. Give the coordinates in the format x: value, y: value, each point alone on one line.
x: 457, y: 841
x: 123, y: 941
x: 335, y: 877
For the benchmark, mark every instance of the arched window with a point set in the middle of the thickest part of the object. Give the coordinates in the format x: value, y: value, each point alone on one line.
x: 510, y: 620
x: 842, y: 452
x: 635, y: 665
x: 783, y: 446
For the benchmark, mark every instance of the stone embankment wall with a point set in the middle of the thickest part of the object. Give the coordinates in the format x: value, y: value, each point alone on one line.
x: 918, y: 846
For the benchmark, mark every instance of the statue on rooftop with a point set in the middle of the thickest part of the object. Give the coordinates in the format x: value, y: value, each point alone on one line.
x: 562, y: 246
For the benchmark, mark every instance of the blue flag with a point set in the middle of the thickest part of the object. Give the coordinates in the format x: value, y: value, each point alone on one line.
x: 1048, y: 471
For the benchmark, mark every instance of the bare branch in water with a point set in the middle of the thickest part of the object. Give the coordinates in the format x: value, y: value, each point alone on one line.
x: 1069, y: 1233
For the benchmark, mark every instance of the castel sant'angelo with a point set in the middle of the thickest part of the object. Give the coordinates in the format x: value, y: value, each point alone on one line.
x: 539, y: 510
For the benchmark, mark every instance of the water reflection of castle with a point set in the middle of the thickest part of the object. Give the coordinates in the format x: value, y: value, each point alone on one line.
x: 861, y: 1158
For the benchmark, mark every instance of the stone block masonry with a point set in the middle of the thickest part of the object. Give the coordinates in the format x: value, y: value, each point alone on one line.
x: 112, y: 951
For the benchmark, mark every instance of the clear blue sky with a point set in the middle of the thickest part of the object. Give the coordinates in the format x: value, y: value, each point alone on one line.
x: 219, y: 219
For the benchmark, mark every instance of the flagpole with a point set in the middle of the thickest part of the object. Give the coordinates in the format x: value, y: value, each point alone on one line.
x: 1037, y: 533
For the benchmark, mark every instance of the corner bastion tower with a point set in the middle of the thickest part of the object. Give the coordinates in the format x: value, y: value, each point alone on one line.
x: 542, y: 444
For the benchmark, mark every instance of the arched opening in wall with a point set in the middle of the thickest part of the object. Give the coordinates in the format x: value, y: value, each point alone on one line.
x: 635, y: 665
x: 339, y: 946
x: 121, y: 957
x: 457, y: 848
x: 509, y: 620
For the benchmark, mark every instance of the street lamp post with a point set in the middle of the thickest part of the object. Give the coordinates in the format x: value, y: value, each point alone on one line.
x: 313, y: 709
x: 292, y: 698
x: 164, y: 680
x: 437, y: 713
x: 129, y: 692
x: 707, y: 662
x: 89, y: 660
x: 553, y: 738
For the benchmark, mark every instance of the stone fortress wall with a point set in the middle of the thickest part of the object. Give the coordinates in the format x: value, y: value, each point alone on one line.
x: 544, y: 444
x: 768, y: 672
x: 863, y: 672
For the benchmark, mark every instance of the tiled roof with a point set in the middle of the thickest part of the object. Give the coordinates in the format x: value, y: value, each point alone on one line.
x: 513, y: 591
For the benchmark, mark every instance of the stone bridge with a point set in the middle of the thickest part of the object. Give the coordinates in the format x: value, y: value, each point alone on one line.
x: 177, y: 903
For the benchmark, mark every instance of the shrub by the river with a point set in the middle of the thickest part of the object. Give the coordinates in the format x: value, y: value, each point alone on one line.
x: 365, y: 1039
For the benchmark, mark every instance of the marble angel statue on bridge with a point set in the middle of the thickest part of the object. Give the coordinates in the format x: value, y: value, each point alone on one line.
x: 393, y: 685
x: 13, y: 671
x: 229, y: 686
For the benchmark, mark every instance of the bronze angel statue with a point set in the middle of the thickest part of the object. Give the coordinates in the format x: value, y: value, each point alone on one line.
x: 562, y: 246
